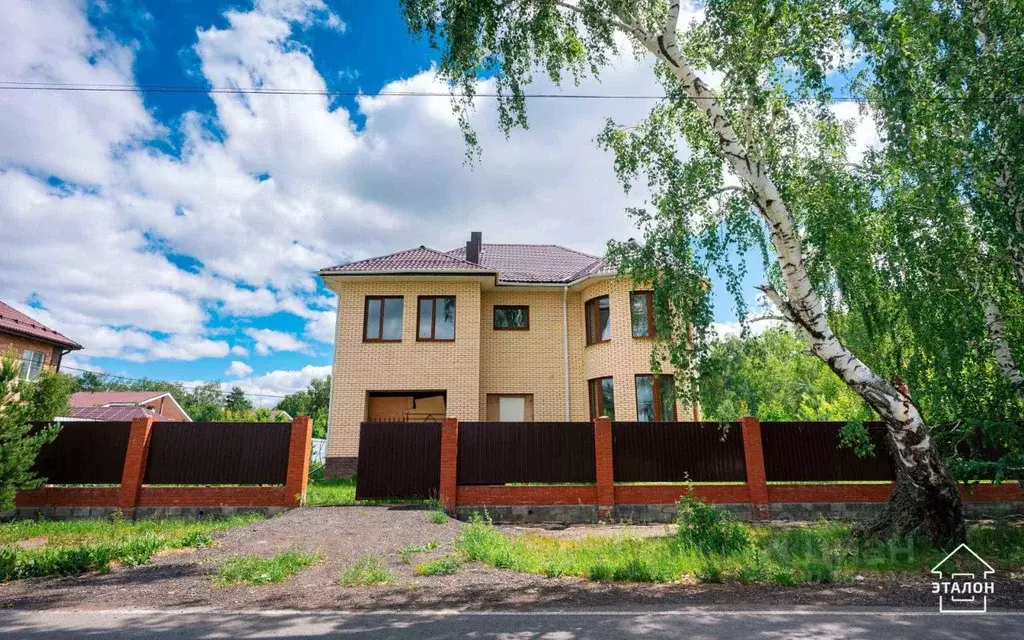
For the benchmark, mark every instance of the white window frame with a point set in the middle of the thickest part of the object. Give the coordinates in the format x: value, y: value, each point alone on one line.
x: 32, y: 363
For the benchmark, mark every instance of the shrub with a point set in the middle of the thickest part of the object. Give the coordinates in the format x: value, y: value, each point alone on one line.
x: 258, y: 570
x: 707, y: 529
x: 442, y: 567
x: 367, y: 570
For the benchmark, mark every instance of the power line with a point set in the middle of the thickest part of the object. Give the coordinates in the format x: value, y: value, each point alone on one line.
x: 130, y: 88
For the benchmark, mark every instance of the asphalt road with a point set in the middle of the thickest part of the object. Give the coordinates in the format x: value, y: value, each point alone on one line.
x: 703, y: 623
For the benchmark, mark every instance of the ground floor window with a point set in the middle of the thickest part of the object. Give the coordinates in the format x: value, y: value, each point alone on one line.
x: 655, y: 398
x: 602, y: 398
x: 507, y: 407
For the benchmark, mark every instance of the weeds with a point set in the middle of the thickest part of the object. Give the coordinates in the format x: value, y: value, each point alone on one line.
x: 407, y: 553
x: 703, y: 527
x: 86, y: 546
x: 442, y: 567
x: 257, y: 570
x: 437, y: 516
x: 712, y: 548
x: 367, y: 570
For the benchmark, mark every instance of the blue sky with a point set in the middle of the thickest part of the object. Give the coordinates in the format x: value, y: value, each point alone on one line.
x: 177, y: 235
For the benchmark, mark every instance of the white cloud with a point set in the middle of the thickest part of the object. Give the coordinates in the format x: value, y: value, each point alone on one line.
x: 267, y: 388
x: 288, y: 185
x: 755, y: 325
x: 238, y: 369
x: 239, y: 351
x: 269, y: 341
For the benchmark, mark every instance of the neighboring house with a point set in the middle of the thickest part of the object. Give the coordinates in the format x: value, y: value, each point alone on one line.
x: 126, y: 405
x: 492, y: 332
x: 34, y: 344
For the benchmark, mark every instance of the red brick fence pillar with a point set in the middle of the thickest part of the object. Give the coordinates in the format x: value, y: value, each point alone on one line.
x: 757, y: 480
x: 604, y: 465
x: 448, y: 487
x: 299, y: 448
x: 134, y: 465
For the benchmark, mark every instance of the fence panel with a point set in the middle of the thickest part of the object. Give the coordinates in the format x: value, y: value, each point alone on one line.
x: 495, y: 453
x: 399, y: 460
x: 84, y: 453
x: 810, y: 452
x: 243, y: 453
x: 678, y: 452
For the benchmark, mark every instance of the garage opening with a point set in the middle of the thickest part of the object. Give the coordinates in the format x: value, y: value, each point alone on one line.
x: 406, y: 406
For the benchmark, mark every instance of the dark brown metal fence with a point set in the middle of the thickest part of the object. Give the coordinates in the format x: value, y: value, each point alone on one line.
x: 84, y: 453
x: 678, y: 452
x: 810, y: 452
x: 399, y: 460
x: 494, y: 453
x: 244, y: 453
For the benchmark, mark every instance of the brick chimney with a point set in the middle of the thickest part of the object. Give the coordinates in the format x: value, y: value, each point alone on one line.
x: 473, y: 247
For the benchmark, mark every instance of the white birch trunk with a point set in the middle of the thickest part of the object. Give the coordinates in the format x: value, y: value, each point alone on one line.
x: 1001, y: 347
x: 922, y: 472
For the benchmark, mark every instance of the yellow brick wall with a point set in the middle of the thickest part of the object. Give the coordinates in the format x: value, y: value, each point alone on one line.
x: 408, y: 365
x: 482, y: 360
x: 527, y: 362
x: 623, y: 356
x: 14, y: 346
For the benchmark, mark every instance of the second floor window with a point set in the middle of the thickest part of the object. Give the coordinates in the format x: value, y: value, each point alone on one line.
x: 655, y: 398
x: 602, y: 398
x: 511, y: 317
x: 599, y: 325
x: 436, y: 318
x: 32, y: 364
x: 382, y: 321
x: 641, y: 313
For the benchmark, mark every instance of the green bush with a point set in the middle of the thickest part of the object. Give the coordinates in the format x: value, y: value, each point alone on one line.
x: 705, y: 528
x: 257, y: 570
x: 367, y: 570
x: 438, y: 516
x: 442, y: 567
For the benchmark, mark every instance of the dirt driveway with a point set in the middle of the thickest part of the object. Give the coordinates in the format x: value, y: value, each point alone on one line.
x: 182, y: 579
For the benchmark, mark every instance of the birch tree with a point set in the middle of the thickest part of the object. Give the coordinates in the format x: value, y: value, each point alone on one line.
x: 775, y: 59
x: 945, y: 81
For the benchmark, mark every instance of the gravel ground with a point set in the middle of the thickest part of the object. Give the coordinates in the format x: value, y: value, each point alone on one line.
x: 343, y: 534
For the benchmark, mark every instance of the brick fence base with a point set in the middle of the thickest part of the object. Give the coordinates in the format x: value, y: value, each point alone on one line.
x: 665, y: 513
x: 147, y: 513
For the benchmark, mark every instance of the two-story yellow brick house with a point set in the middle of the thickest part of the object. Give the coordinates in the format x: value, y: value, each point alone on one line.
x: 495, y: 332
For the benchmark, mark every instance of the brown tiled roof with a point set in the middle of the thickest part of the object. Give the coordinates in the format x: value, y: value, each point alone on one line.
x: 100, y: 398
x: 410, y: 260
x: 115, y: 414
x: 547, y: 263
x: 14, y: 321
x: 513, y: 263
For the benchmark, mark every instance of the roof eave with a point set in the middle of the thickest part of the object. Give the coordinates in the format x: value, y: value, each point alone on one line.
x: 67, y: 343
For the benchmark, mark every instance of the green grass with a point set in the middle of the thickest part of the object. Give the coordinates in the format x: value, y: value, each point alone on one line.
x: 84, y: 546
x: 367, y: 570
x: 437, y: 516
x: 407, y: 553
x: 341, y: 492
x: 441, y: 567
x: 817, y: 553
x: 257, y: 570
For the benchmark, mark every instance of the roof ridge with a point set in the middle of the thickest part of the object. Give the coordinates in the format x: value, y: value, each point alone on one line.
x: 442, y: 253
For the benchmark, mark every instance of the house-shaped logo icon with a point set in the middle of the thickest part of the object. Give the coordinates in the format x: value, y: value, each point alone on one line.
x: 963, y: 582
